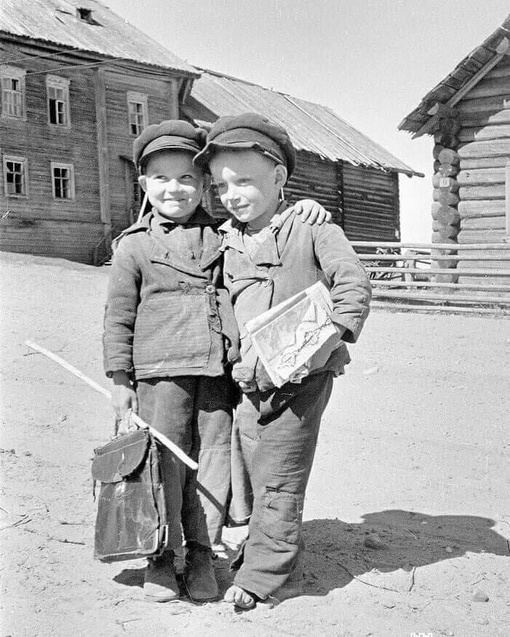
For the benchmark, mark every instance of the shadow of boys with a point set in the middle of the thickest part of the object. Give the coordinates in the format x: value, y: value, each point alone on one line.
x: 389, y: 541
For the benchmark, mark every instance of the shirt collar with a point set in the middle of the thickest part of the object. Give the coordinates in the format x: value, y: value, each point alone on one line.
x: 199, y: 217
x: 233, y: 229
x: 276, y: 222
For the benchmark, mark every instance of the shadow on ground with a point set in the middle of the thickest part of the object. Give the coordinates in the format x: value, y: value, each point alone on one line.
x: 336, y: 551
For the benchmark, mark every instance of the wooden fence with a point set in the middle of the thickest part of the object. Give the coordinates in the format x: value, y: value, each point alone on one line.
x: 469, y: 278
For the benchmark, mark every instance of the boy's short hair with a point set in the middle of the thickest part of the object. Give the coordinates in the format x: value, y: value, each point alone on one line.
x: 171, y: 134
x: 249, y: 131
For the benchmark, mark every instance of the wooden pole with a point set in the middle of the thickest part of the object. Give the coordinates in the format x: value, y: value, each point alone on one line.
x: 426, y: 258
x: 439, y: 295
x: 507, y: 198
x: 99, y: 388
x: 430, y: 271
x: 431, y: 246
x: 439, y: 308
x: 103, y: 154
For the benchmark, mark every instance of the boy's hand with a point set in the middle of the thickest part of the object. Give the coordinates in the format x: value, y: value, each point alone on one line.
x: 247, y: 388
x: 312, y: 212
x: 123, y: 395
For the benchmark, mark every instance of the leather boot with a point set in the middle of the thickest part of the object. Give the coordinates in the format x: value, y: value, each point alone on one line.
x: 199, y: 574
x: 160, y: 584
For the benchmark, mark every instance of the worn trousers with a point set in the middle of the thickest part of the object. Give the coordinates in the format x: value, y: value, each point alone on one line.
x: 194, y: 412
x: 274, y: 440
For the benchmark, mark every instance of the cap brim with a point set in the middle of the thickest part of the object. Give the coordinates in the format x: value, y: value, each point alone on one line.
x: 168, y: 143
x: 211, y: 148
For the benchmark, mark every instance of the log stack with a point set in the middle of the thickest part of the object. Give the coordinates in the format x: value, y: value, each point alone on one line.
x: 445, y: 214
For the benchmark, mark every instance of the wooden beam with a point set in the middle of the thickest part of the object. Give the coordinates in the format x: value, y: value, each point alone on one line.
x: 501, y: 50
x: 173, y: 99
x: 443, y: 110
x: 102, y: 154
x: 507, y: 199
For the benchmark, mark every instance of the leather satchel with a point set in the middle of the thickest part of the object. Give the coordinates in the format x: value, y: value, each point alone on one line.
x: 131, y: 513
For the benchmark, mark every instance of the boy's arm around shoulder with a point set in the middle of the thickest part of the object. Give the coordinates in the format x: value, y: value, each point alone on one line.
x: 350, y: 287
x: 122, y: 302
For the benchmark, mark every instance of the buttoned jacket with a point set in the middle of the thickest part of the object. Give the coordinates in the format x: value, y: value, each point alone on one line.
x: 289, y: 260
x: 162, y: 315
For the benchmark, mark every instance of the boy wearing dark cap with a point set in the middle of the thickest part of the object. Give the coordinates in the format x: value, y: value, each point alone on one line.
x: 164, y: 348
x: 167, y: 323
x: 269, y: 257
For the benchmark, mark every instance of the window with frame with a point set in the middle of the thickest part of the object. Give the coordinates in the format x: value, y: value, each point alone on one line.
x: 15, y: 176
x: 62, y: 180
x: 58, y: 100
x: 13, y: 91
x: 137, y: 112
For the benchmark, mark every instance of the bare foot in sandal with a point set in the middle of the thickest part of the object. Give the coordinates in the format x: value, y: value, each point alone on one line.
x: 239, y: 597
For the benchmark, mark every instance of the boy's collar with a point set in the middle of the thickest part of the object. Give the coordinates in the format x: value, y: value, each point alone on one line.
x: 284, y: 211
x: 200, y: 217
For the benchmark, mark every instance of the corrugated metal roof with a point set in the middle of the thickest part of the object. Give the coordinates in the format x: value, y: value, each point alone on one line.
x: 58, y: 21
x: 453, y: 82
x: 312, y: 127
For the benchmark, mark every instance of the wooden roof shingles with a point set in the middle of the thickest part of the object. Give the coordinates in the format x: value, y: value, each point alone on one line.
x: 313, y: 128
x: 105, y: 33
x: 454, y: 82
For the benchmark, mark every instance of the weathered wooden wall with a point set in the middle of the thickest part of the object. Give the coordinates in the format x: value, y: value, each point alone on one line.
x: 319, y: 179
x: 39, y: 224
x: 71, y: 228
x: 370, y: 204
x: 484, y: 151
x: 162, y: 104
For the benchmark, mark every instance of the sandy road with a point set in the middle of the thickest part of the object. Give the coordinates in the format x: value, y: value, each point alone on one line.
x: 413, y: 452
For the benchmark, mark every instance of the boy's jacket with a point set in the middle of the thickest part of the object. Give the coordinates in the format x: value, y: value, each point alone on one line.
x: 288, y: 261
x: 166, y: 312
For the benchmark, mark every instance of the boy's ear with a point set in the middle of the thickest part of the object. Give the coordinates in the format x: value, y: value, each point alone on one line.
x: 142, y: 180
x: 280, y: 173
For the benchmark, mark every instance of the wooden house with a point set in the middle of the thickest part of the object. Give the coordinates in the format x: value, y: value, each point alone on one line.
x: 348, y: 173
x: 468, y: 115
x: 78, y: 84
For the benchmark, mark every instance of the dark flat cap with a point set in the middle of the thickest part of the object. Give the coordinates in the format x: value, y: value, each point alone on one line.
x: 249, y: 131
x: 174, y: 134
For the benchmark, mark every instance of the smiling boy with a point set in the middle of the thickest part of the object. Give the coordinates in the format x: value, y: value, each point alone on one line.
x: 164, y: 346
x: 269, y: 257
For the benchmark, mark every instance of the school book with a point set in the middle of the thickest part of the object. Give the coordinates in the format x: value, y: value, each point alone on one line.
x: 287, y: 336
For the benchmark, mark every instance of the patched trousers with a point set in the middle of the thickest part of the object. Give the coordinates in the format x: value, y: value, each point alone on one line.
x: 196, y: 414
x: 274, y: 440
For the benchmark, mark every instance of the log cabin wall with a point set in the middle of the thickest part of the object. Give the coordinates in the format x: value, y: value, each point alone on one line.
x: 316, y: 178
x: 370, y: 204
x: 38, y: 223
x: 484, y: 150
x: 484, y: 153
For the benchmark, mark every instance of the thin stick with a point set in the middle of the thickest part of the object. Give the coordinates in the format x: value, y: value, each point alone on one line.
x: 141, y: 423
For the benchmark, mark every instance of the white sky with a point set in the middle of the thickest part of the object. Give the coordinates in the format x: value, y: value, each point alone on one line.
x: 371, y: 61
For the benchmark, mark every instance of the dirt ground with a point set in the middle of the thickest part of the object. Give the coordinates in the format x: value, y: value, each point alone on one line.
x: 413, y: 455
